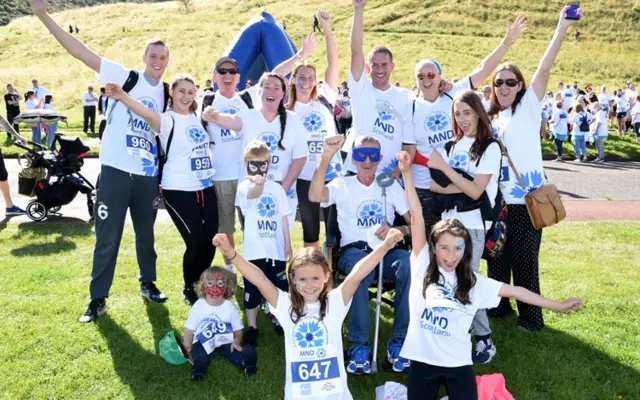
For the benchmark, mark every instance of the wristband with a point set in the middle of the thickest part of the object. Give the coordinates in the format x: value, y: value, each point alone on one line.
x: 234, y: 255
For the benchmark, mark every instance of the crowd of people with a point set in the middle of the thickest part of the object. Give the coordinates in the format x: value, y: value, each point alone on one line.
x: 281, y: 146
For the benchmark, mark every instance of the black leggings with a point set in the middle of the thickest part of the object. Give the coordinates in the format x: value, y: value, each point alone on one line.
x: 425, y: 381
x: 636, y: 128
x: 195, y: 214
x: 309, y: 213
x: 430, y: 215
x: 4, y: 175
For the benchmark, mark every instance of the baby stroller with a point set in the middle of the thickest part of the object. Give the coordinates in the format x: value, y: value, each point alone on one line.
x: 53, y: 177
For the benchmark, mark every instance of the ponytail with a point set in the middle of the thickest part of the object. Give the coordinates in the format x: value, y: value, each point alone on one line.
x: 282, y: 112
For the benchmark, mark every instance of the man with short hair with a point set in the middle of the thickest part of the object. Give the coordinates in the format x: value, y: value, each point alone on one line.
x: 486, y: 98
x: 208, y: 87
x: 12, y: 101
x: 129, y: 165
x: 103, y: 104
x: 359, y: 203
x: 40, y: 91
x: 379, y: 109
x: 89, y: 100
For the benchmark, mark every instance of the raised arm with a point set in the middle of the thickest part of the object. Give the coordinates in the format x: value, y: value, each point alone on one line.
x: 247, y: 269
x: 153, y: 118
x: 540, y: 78
x: 357, y: 55
x: 364, y: 267
x: 418, y: 231
x: 318, y: 191
x: 308, y: 46
x: 75, y: 47
x: 224, y: 121
x: 489, y: 64
x: 331, y: 74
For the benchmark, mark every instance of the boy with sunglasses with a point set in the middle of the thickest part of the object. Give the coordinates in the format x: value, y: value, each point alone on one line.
x: 358, y: 199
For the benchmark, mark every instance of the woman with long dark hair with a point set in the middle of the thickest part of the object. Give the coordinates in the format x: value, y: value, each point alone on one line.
x: 516, y: 112
x: 475, y: 152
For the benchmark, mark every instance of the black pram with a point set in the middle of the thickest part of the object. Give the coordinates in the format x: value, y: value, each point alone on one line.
x: 40, y: 169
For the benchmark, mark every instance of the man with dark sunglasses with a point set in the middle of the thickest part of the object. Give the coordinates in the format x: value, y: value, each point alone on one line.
x: 358, y: 199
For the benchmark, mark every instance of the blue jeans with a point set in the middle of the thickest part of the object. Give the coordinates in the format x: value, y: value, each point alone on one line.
x: 36, y: 134
x: 51, y: 135
x: 580, y: 146
x: 201, y: 360
x: 396, y: 267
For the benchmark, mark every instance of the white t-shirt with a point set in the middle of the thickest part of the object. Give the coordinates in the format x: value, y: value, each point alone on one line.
x: 604, y: 99
x: 40, y: 92
x: 568, y: 97
x: 631, y: 95
x: 520, y: 134
x: 227, y: 150
x: 128, y: 144
x: 439, y: 324
x: 318, y: 122
x: 431, y: 127
x: 313, y: 349
x: 188, y: 166
x: 89, y: 99
x: 559, y: 121
x: 636, y: 113
x: 213, y: 326
x: 621, y: 102
x: 381, y: 114
x: 486, y: 104
x: 263, y: 233
x: 31, y: 104
x: 601, y: 117
x: 576, y: 119
x: 360, y: 207
x: 489, y: 165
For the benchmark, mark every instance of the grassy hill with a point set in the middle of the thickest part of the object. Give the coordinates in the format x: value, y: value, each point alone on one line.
x: 458, y: 33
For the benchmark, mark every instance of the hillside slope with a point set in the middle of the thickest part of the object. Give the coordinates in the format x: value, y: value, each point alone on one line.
x: 458, y: 33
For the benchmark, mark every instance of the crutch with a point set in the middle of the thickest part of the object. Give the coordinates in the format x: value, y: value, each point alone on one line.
x: 384, y: 181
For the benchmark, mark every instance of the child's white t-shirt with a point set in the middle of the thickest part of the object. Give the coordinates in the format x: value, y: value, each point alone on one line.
x: 381, y: 114
x: 439, y: 324
x: 559, y: 119
x: 263, y: 231
x: 430, y: 128
x: 313, y: 349
x: 489, y: 165
x: 318, y: 123
x: 360, y: 207
x: 227, y: 150
x: 576, y: 119
x: 189, y: 160
x: 213, y: 326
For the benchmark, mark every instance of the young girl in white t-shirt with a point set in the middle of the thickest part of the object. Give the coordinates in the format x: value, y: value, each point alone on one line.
x: 444, y: 297
x: 187, y: 184
x: 214, y: 324
x: 312, y: 314
x: 475, y: 152
x: 559, y: 123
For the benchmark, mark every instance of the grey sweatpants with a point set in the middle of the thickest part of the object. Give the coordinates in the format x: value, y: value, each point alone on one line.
x: 480, y: 325
x: 118, y: 192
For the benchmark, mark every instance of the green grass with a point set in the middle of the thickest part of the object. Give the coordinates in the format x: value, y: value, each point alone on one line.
x: 45, y: 353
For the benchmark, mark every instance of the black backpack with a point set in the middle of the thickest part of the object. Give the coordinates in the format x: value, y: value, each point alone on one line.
x: 584, y: 124
x: 209, y: 97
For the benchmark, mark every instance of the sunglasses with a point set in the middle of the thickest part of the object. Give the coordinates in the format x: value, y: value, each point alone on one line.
x: 218, y: 283
x: 360, y: 155
x: 509, y: 82
x: 430, y: 75
x: 224, y: 71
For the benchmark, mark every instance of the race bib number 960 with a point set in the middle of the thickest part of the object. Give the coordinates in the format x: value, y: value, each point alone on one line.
x: 313, y: 371
x: 139, y: 147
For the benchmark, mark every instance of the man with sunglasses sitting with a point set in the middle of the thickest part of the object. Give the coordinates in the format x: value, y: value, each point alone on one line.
x: 358, y: 200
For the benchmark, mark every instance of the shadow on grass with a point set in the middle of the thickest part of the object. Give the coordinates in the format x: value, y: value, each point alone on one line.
x: 64, y: 231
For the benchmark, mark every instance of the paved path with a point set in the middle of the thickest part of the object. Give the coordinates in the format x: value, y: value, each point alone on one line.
x: 592, y: 192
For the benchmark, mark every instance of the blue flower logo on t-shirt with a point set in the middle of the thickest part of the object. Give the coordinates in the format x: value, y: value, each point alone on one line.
x: 460, y: 160
x: 335, y: 170
x: 196, y: 135
x: 150, y: 167
x: 385, y: 110
x: 437, y: 121
x: 270, y: 139
x: 389, y: 168
x: 313, y: 122
x: 206, y: 182
x: 532, y: 180
x: 149, y: 103
x: 229, y: 111
x: 310, y: 334
x: 267, y: 206
x: 369, y: 213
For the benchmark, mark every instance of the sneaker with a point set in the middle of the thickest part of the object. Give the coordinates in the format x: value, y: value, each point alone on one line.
x: 359, y: 362
x: 96, y: 308
x: 15, y: 210
x: 277, y: 327
x: 197, y: 377
x: 190, y: 296
x: 484, y: 352
x: 251, y: 370
x: 251, y: 336
x: 149, y: 291
x: 399, y: 364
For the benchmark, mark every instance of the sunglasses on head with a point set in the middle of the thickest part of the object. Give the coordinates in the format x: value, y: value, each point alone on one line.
x: 509, y: 82
x: 430, y: 75
x: 361, y: 154
x: 223, y: 71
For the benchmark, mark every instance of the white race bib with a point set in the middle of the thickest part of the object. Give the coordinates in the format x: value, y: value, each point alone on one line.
x: 212, y: 334
x: 201, y: 166
x: 139, y: 147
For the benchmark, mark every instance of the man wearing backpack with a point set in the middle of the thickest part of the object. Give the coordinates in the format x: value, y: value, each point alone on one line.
x: 129, y: 165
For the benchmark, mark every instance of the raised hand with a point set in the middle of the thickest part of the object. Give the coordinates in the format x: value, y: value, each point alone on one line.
x: 515, y: 30
x: 332, y: 144
x: 114, y: 91
x: 358, y: 4
x: 325, y: 21
x: 309, y: 45
x: 404, y: 161
x: 39, y: 7
x: 210, y: 114
x: 393, y: 237
x: 565, y: 23
x: 257, y: 179
x: 222, y: 243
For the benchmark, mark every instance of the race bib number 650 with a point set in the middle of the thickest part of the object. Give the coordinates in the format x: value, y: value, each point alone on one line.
x: 315, y: 146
